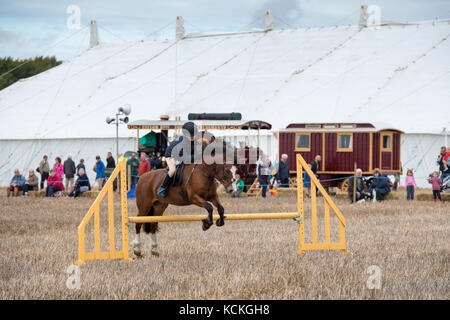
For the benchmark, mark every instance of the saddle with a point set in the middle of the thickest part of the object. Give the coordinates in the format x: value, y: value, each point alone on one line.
x: 177, y: 179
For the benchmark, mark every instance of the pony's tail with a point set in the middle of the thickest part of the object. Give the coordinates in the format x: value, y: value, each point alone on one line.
x: 151, y: 227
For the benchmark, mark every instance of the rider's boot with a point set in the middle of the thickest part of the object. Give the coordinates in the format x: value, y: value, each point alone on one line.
x: 162, y: 191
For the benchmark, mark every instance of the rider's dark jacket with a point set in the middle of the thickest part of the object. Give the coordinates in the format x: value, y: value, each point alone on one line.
x: 184, y: 144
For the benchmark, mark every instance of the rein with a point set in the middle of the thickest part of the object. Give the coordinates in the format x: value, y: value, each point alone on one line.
x: 209, y: 177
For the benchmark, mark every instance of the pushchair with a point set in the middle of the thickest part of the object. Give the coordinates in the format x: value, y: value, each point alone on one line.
x: 445, y: 185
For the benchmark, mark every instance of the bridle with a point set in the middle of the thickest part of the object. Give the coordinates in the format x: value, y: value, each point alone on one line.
x: 209, y: 176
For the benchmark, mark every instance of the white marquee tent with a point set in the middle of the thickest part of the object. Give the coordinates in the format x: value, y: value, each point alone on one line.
x: 395, y: 73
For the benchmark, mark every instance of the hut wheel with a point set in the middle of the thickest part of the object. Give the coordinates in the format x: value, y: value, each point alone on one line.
x: 344, y: 186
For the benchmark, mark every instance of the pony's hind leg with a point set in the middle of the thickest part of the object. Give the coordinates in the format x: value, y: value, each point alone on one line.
x: 136, y: 244
x: 158, y: 210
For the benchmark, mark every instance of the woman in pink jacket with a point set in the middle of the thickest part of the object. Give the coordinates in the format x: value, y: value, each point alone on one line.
x: 59, y: 168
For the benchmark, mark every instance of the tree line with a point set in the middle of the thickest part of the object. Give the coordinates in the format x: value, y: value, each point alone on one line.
x: 29, y: 68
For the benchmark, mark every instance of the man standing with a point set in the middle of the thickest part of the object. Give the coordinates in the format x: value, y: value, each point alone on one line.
x: 69, y: 172
x: 16, y: 184
x: 110, y: 162
x: 283, y: 172
x: 144, y: 165
x: 440, y: 162
x: 133, y: 165
x: 315, y: 164
x: 446, y: 162
x: 81, y: 166
x: 44, y: 170
x: 100, y: 170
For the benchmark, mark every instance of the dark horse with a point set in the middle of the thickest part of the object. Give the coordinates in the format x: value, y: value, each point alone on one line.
x: 199, y: 188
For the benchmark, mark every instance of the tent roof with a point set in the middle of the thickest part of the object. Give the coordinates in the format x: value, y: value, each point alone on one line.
x: 398, y: 74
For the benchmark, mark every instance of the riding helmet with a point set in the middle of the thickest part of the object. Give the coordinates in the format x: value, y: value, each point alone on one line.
x: 191, y: 128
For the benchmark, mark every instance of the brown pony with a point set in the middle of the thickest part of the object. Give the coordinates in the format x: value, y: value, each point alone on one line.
x: 198, y: 188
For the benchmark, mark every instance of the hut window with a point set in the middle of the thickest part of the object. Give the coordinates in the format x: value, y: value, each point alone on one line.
x: 303, y: 142
x: 347, y: 126
x: 312, y: 126
x: 386, y: 142
x: 330, y: 126
x: 344, y: 142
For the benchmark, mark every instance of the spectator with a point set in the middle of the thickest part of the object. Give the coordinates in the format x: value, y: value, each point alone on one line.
x: 307, y: 182
x: 54, y: 184
x: 44, y: 170
x: 59, y: 169
x: 110, y: 166
x: 81, y: 185
x: 133, y: 165
x: 158, y: 161
x: 81, y: 165
x: 69, y: 172
x: 380, y: 185
x: 283, y: 172
x: 315, y: 164
x: 100, y: 170
x: 446, y: 162
x: 410, y: 182
x: 440, y: 162
x: 144, y: 165
x: 436, y: 186
x: 16, y: 184
x: 264, y: 170
x: 361, y: 194
x: 239, y: 187
x: 155, y: 162
x: 32, y: 183
x: 110, y: 162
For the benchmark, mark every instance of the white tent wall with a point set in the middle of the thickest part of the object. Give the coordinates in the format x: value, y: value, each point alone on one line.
x: 27, y: 154
x: 419, y: 152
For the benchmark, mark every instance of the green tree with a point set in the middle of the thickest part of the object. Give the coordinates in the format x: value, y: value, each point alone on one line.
x: 12, y: 70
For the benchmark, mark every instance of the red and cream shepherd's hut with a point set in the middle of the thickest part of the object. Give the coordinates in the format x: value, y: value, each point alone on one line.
x: 341, y: 147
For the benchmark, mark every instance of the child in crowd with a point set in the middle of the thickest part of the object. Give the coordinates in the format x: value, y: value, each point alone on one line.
x: 239, y: 187
x: 436, y: 185
x: 307, y: 182
x: 410, y: 182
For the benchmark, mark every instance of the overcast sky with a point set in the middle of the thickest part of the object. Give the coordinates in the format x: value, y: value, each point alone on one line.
x: 29, y: 28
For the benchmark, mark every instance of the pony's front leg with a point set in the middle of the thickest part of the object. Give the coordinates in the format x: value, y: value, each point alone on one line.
x: 221, y: 221
x: 208, y: 222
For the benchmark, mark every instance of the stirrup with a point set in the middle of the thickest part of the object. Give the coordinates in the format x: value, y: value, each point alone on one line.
x: 162, y: 191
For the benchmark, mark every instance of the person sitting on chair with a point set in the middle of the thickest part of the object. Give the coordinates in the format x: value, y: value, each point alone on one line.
x: 174, y: 154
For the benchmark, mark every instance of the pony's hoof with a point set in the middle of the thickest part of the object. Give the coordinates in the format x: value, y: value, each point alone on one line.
x: 136, y: 248
x: 155, y: 253
x: 220, y: 222
x: 206, y: 224
x: 137, y: 252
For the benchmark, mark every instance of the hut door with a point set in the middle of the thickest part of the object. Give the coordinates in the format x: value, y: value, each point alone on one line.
x: 386, y: 154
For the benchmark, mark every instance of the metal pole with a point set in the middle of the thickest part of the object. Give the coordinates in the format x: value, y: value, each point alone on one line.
x: 117, y: 137
x: 446, y: 138
x: 354, y: 184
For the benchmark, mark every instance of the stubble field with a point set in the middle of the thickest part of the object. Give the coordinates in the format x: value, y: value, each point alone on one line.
x: 408, y: 241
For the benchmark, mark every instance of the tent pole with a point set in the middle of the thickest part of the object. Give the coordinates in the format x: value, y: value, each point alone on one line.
x: 117, y: 137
